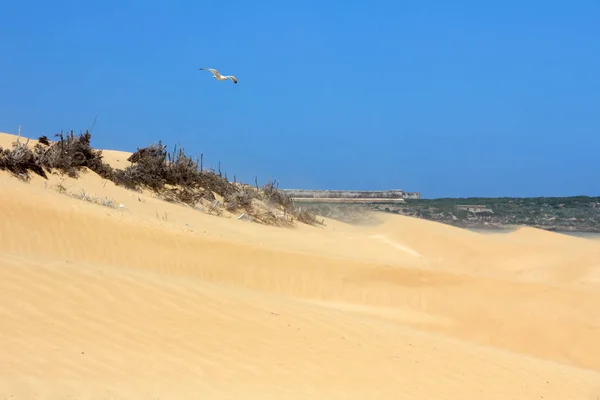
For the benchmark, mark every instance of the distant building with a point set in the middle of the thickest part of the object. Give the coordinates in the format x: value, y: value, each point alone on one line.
x: 356, y: 195
x: 412, y: 195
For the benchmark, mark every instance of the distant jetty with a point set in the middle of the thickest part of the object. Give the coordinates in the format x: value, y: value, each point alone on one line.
x: 351, y: 195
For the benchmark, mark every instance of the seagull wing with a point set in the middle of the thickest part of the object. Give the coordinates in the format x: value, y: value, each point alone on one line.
x: 214, y: 71
x: 233, y: 78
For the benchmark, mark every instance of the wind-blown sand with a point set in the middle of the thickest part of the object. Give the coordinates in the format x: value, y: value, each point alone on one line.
x: 157, y: 300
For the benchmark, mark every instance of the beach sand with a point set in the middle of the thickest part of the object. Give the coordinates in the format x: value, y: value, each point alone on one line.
x: 160, y: 301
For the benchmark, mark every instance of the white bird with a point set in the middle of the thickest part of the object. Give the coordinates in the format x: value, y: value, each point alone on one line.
x: 218, y: 76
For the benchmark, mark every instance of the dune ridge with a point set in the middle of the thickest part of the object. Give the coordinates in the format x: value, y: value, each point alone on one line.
x: 158, y: 300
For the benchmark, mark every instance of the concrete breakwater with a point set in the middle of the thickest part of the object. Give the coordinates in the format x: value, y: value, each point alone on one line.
x: 351, y: 195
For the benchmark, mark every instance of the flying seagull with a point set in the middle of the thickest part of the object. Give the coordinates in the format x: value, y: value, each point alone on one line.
x: 219, y: 76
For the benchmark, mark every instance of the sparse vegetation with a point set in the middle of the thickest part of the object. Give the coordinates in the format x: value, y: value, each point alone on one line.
x: 20, y: 160
x: 70, y: 154
x: 240, y: 199
x: 307, y: 217
x: 103, y: 201
x: 175, y: 177
x: 273, y: 195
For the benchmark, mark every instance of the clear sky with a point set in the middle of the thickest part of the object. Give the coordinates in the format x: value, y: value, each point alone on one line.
x: 448, y: 98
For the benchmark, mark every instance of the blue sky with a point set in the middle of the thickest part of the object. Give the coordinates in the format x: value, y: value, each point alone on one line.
x: 462, y: 98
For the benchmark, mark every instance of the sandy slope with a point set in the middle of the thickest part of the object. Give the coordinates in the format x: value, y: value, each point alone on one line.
x: 157, y: 300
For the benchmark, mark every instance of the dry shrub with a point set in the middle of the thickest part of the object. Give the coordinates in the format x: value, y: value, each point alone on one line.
x: 154, y: 168
x: 70, y: 154
x: 218, y: 184
x: 20, y: 160
x: 240, y: 199
x: 183, y: 195
x: 273, y: 195
x: 148, y: 169
x: 306, y: 217
x: 266, y: 217
x: 182, y: 170
x: 82, y: 195
x: 44, y: 140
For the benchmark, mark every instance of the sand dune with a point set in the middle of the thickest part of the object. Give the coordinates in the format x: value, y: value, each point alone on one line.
x: 156, y: 300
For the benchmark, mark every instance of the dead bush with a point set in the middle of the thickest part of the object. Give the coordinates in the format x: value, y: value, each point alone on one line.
x: 182, y: 195
x: 306, y: 217
x: 265, y: 217
x: 153, y: 167
x: 44, y: 140
x: 218, y: 184
x: 20, y: 160
x: 70, y: 154
x: 240, y: 199
x: 182, y: 170
x: 148, y: 169
x: 207, y: 195
x: 273, y: 195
